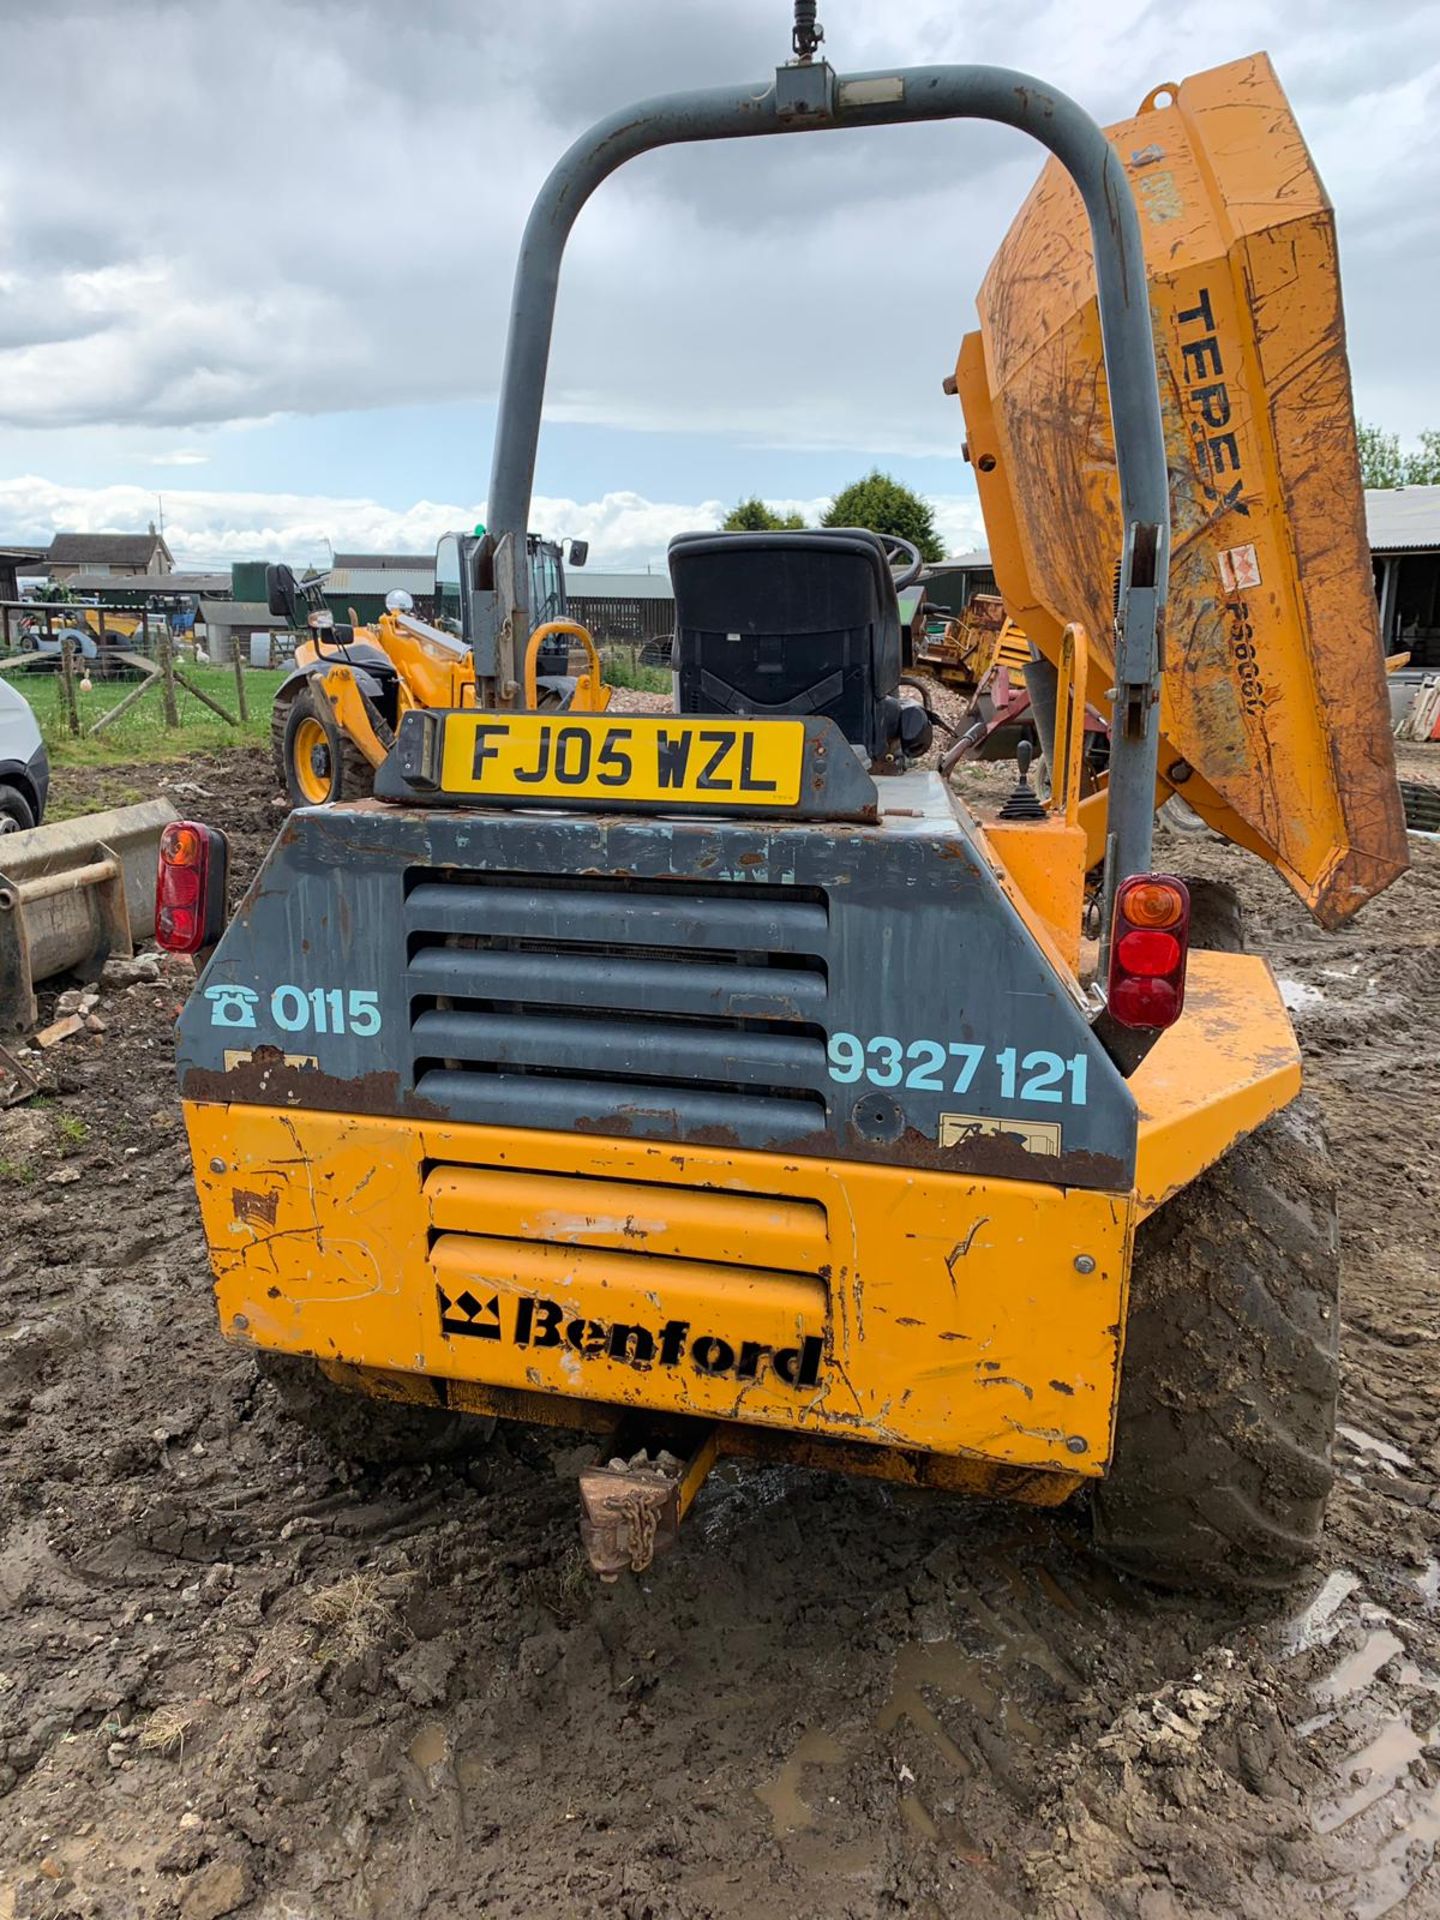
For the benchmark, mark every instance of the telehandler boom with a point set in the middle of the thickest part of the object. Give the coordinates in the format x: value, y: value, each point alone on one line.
x: 718, y: 1080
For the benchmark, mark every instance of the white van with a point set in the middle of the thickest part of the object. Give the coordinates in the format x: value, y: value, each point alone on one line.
x: 24, y: 763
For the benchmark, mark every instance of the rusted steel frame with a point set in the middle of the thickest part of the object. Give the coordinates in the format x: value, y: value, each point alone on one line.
x: 805, y: 100
x: 50, y: 884
x: 945, y: 1473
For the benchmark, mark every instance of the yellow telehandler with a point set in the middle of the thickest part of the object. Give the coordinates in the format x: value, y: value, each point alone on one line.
x: 719, y: 1081
x: 333, y: 718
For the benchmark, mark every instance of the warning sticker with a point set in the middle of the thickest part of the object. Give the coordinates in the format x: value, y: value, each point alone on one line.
x: 1239, y: 569
x: 1035, y: 1136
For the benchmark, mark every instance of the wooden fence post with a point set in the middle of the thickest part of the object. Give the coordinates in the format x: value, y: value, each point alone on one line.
x: 165, y: 652
x: 239, y: 677
x: 67, y: 684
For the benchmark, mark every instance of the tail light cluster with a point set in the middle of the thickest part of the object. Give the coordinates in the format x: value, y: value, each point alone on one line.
x: 1149, y: 945
x: 190, y: 887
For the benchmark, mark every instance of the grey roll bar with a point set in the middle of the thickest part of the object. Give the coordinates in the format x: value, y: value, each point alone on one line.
x: 807, y: 97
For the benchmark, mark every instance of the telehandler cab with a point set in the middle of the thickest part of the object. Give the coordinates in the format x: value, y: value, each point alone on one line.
x: 718, y: 1080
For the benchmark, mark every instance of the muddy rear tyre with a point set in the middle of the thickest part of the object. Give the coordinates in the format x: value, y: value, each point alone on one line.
x: 363, y: 1430
x: 1228, y: 1386
x: 1217, y: 919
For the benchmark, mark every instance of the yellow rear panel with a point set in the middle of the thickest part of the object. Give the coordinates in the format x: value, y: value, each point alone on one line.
x: 863, y: 1302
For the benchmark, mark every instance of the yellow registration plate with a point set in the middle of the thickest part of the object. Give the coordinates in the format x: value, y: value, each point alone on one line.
x: 634, y: 757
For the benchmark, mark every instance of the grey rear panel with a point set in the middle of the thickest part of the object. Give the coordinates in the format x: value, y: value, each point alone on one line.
x: 857, y: 993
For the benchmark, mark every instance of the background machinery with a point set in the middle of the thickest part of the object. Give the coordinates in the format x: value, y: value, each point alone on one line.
x: 334, y: 718
x: 718, y: 1080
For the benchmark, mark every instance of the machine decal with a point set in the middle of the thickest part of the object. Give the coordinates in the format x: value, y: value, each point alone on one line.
x: 293, y: 1009
x: 957, y: 1066
x: 687, y: 761
x: 326, y: 1010
x: 1239, y: 569
x: 1217, y: 448
x: 1035, y: 1136
x: 232, y: 1006
x: 546, y: 1323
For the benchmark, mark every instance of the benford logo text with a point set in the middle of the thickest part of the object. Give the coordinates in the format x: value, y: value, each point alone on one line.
x: 546, y: 1323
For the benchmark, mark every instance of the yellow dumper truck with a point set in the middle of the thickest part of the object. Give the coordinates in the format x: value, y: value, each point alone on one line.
x: 718, y: 1080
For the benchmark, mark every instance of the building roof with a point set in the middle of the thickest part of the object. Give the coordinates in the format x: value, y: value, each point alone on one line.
x: 585, y: 585
x: 407, y: 576
x: 239, y: 613
x: 1402, y: 518
x: 383, y: 561
x: 21, y: 556
x: 215, y: 584
x: 107, y: 549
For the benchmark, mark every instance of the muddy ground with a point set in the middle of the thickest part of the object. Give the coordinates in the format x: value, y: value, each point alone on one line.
x: 234, y: 1678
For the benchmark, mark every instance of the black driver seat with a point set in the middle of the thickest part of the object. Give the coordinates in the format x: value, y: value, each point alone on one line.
x: 788, y: 623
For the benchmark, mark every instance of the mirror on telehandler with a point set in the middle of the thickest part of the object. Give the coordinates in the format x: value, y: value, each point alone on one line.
x: 448, y: 606
x: 577, y: 553
x: 282, y: 595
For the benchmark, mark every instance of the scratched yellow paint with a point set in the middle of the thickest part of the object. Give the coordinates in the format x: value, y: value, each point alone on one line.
x: 904, y: 1307
x: 1229, y: 1063
x: 1274, y: 708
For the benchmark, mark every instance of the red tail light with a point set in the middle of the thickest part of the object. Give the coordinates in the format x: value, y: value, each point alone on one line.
x: 190, y: 887
x: 1148, y: 950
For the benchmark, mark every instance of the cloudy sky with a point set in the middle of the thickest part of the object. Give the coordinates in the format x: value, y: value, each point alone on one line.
x: 255, y: 255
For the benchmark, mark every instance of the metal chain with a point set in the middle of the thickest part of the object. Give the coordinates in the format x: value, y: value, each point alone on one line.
x: 642, y: 1519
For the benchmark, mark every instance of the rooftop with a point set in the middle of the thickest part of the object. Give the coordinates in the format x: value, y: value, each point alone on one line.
x: 106, y: 549
x: 1401, y: 518
x: 408, y: 576
x: 583, y: 584
x: 383, y: 562
x: 239, y: 613
x: 216, y: 584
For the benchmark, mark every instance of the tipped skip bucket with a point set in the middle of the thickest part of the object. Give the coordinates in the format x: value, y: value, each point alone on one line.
x: 71, y: 895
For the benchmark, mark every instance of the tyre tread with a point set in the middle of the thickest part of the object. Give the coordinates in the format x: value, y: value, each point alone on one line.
x: 1230, y: 1373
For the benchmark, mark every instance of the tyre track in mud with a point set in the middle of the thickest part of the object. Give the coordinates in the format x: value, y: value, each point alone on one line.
x: 237, y: 1679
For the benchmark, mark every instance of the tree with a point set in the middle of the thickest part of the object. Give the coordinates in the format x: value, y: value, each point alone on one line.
x: 1382, y: 464
x: 1422, y: 469
x: 1380, y: 461
x: 883, y: 505
x: 753, y: 516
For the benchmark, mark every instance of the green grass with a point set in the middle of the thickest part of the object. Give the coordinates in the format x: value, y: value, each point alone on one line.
x: 623, y: 669
x: 72, y: 1129
x: 141, y: 733
x: 11, y: 1170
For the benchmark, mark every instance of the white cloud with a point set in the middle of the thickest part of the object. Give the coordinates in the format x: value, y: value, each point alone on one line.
x: 214, y: 528
x: 181, y: 457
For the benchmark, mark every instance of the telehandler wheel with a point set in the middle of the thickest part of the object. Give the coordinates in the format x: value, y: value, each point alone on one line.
x: 366, y: 1431
x: 318, y: 764
x: 1230, y: 1371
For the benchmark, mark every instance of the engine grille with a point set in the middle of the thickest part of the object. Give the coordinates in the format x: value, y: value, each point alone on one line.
x: 660, y: 1009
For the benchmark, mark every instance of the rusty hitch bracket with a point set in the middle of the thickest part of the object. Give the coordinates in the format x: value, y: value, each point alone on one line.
x: 809, y: 96
x: 633, y: 1499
